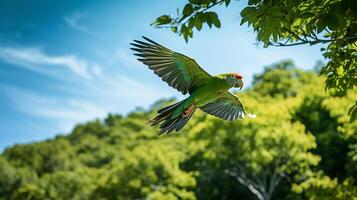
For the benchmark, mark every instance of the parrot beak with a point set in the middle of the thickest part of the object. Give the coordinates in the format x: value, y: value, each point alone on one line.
x: 241, y: 84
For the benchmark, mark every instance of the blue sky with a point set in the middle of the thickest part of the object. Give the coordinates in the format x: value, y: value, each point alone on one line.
x: 67, y: 62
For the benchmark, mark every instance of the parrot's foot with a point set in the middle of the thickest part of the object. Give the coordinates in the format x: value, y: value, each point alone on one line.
x: 188, y: 110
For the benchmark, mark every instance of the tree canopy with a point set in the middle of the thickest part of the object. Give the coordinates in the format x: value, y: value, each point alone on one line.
x: 285, y: 23
x: 300, y: 146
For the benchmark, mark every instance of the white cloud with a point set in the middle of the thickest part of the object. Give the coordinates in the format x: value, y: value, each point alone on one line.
x: 110, y: 84
x: 95, y: 91
x: 34, y: 58
x: 64, y: 111
x: 74, y: 22
x: 91, y: 93
x: 99, y: 97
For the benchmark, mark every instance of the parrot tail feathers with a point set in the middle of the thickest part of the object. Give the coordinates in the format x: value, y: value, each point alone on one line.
x: 175, y: 124
x: 164, y: 113
x: 169, y: 124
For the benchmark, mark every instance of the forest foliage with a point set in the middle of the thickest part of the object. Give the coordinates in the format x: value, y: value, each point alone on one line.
x: 300, y: 146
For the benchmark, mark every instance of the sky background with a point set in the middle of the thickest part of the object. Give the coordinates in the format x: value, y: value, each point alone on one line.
x: 68, y: 62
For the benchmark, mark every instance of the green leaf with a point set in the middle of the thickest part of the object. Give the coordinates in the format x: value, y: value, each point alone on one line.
x: 214, y: 17
x: 247, y: 11
x: 174, y: 29
x: 191, y: 23
x: 196, y: 2
x: 208, y: 19
x: 332, y: 22
x: 297, y: 23
x: 202, y: 17
x: 275, y: 37
x: 185, y: 32
x: 260, y: 35
x: 163, y: 19
x: 183, y: 28
x: 187, y: 10
x: 251, y: 2
x: 353, y: 112
x: 198, y: 23
x: 321, y: 25
x: 185, y: 36
x: 307, y: 15
x: 227, y: 2
x: 244, y: 20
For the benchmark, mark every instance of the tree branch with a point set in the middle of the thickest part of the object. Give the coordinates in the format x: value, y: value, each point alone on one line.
x: 249, y: 184
x: 305, y: 40
x: 311, y: 42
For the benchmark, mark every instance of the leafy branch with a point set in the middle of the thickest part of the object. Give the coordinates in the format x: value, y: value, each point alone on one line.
x: 194, y: 15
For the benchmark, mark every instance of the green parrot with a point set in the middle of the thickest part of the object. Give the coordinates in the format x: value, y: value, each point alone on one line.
x: 208, y: 93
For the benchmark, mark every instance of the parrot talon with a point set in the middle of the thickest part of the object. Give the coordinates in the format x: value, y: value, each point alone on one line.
x: 188, y: 110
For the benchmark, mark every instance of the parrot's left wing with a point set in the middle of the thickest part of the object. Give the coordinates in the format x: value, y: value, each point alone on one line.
x: 179, y: 71
x: 227, y: 107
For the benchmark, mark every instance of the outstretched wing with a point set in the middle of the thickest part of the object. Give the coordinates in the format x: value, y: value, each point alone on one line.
x: 178, y: 70
x: 227, y: 107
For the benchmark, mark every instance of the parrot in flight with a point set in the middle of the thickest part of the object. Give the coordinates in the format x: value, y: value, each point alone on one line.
x: 208, y: 93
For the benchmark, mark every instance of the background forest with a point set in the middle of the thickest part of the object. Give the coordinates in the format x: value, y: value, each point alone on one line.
x: 300, y: 146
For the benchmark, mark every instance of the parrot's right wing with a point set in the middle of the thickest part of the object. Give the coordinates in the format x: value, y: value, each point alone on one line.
x: 179, y: 71
x: 227, y: 107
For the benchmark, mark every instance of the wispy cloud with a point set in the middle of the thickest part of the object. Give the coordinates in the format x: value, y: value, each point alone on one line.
x: 118, y: 95
x: 74, y: 22
x: 95, y: 93
x: 102, y: 81
x: 67, y: 111
x: 34, y: 58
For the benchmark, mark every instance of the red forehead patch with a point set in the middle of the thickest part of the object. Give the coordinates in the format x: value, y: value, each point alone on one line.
x: 238, y: 76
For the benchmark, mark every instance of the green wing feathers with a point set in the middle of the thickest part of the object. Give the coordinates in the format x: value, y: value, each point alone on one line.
x: 227, y: 107
x: 178, y: 70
